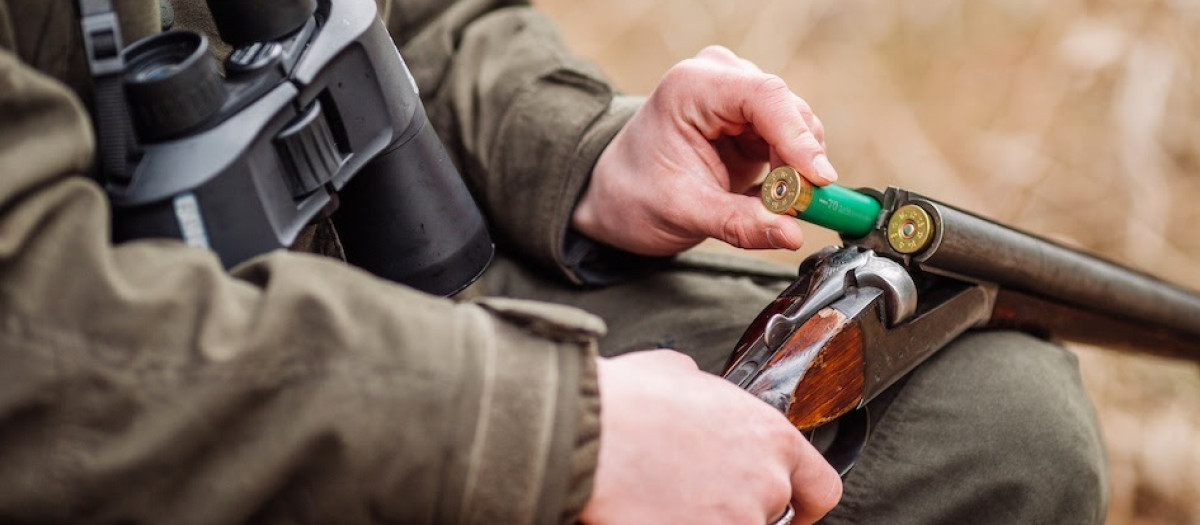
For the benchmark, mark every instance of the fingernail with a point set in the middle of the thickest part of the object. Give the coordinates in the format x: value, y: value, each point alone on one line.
x: 825, y: 168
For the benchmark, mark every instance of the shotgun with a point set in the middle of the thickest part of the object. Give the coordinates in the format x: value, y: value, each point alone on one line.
x: 911, y: 275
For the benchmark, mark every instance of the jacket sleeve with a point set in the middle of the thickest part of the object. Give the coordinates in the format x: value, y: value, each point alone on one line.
x: 525, y: 118
x: 142, y: 383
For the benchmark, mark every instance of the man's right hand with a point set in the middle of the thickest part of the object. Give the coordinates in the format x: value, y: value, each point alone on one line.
x: 678, y: 445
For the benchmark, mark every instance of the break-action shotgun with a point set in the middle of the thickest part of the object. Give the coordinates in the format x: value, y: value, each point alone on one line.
x: 913, y: 274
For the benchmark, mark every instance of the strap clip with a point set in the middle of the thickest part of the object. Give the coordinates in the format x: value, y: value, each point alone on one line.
x: 101, y: 37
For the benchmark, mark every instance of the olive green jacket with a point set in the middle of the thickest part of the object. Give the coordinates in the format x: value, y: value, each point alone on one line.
x: 142, y: 383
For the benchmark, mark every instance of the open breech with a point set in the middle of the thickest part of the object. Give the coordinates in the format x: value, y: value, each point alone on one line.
x: 861, y: 316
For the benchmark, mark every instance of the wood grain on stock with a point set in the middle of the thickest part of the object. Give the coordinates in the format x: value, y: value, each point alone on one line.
x: 1020, y: 311
x: 827, y: 354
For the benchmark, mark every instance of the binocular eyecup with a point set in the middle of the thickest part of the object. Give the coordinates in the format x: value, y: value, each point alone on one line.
x: 243, y: 22
x: 172, y: 84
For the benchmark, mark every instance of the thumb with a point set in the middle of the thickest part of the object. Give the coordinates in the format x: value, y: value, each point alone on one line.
x: 742, y: 221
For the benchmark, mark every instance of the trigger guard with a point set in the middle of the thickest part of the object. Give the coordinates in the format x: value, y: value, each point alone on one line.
x: 842, y: 440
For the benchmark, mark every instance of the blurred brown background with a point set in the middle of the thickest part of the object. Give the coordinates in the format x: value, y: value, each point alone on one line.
x: 1074, y: 119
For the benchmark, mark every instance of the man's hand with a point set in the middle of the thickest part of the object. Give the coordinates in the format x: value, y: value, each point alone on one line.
x: 679, y: 171
x: 678, y: 445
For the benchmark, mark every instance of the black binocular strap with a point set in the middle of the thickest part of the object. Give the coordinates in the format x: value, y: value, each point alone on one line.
x: 115, y: 139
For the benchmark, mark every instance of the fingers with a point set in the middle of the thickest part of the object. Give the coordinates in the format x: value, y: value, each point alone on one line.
x: 666, y: 433
x: 745, y: 160
x: 783, y: 120
x: 814, y: 124
x: 741, y: 95
x: 744, y: 222
x: 816, y: 487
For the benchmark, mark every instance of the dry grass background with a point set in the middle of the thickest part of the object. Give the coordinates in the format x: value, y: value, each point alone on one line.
x: 1072, y: 118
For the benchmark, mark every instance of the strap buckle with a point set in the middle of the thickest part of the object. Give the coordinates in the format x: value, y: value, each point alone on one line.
x: 101, y: 37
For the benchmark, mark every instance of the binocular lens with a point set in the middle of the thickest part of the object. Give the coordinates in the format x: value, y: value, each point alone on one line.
x: 156, y: 72
x: 172, y: 84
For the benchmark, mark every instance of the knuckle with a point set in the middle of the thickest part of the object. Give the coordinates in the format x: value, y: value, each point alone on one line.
x: 772, y: 86
x: 681, y: 359
x: 671, y: 358
x: 804, y: 107
x: 831, y: 498
x: 683, y: 74
x: 816, y: 125
x: 807, y: 142
x: 718, y: 53
x: 779, y: 435
x: 819, y: 132
x: 776, y: 491
x: 747, y: 507
x: 673, y: 90
x: 779, y: 487
x: 783, y: 435
x: 734, y: 232
x: 729, y: 510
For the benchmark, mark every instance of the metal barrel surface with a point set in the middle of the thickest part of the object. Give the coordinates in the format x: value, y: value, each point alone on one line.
x: 970, y: 246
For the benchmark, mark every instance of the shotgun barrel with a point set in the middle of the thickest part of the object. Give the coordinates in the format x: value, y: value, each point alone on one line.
x: 971, y: 246
x: 962, y: 245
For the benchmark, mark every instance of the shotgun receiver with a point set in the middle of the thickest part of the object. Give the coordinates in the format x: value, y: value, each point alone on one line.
x: 912, y: 275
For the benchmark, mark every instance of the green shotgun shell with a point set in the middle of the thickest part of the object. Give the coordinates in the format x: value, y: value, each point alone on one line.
x: 831, y: 206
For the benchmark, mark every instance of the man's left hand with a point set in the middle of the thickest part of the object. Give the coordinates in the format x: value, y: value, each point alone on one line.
x: 680, y: 170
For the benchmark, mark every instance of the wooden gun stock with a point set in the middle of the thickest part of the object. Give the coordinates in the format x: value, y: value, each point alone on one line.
x: 817, y: 375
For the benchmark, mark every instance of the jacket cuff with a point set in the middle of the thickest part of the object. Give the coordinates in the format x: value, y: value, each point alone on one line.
x: 579, y: 258
x: 546, y: 476
x: 583, y: 110
x: 585, y: 261
x: 586, y: 448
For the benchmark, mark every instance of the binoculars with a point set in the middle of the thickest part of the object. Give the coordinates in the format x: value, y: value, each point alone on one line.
x: 315, y: 114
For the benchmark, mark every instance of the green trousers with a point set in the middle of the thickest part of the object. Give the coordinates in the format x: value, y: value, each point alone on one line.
x: 995, y: 428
